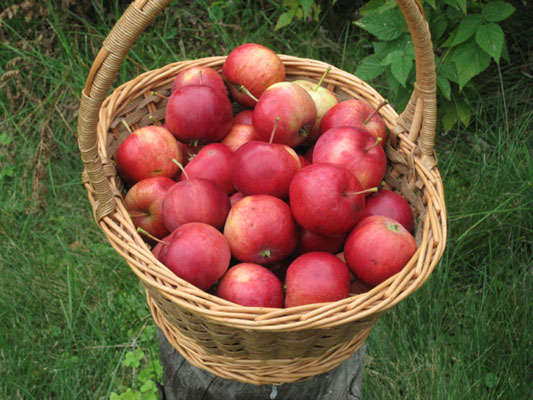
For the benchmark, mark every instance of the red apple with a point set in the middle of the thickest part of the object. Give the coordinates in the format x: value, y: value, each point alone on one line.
x: 309, y: 241
x: 325, y: 199
x: 238, y: 135
x: 377, y: 248
x: 160, y: 246
x: 324, y: 100
x: 264, y: 168
x: 304, y: 162
x: 235, y: 197
x: 390, y: 204
x: 243, y: 117
x: 355, y: 150
x: 199, y: 75
x: 197, y: 253
x: 251, y: 67
x: 189, y: 152
x: 286, y: 109
x: 198, y: 113
x: 316, y: 277
x: 358, y: 114
x: 251, y: 285
x: 148, y: 152
x: 195, y: 200
x: 213, y: 162
x: 144, y: 202
x: 260, y: 229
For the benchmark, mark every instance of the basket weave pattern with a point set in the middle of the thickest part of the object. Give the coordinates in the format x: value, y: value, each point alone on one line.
x: 249, y: 344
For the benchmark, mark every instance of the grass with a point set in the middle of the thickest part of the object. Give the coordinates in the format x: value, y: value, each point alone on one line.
x: 72, y: 315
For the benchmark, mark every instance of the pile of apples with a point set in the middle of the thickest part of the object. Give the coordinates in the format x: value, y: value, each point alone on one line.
x: 274, y: 206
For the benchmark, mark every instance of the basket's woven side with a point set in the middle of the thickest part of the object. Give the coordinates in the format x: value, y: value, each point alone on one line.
x: 103, y: 71
x: 257, y: 371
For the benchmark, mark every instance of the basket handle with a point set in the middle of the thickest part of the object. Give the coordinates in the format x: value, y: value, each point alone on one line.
x: 420, y: 110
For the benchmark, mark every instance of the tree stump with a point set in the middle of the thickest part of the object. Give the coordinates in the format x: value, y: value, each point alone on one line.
x: 183, y: 381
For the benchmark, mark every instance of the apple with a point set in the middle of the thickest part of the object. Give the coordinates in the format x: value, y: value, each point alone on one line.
x: 264, y: 168
x: 197, y: 253
x: 249, y: 69
x: 243, y: 117
x: 251, y: 285
x: 309, y: 241
x: 199, y: 113
x: 159, y: 246
x: 213, y: 162
x: 358, y: 287
x: 354, y: 149
x: 324, y: 100
x: 377, y: 248
x: 189, y: 151
x: 326, y: 199
x: 147, y: 152
x: 286, y: 109
x: 260, y: 229
x: 235, y: 197
x: 390, y: 204
x: 238, y: 135
x: 144, y: 202
x: 199, y: 75
x: 304, y: 162
x: 316, y: 277
x: 358, y: 114
x: 195, y: 200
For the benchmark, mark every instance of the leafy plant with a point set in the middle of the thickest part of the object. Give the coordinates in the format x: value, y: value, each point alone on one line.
x: 466, y: 38
x: 298, y: 9
x: 146, y: 371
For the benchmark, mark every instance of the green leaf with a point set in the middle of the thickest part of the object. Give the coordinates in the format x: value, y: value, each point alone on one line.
x: 444, y: 86
x: 387, y: 25
x: 316, y: 12
x: 148, y: 386
x: 449, y: 115
x: 370, y: 68
x: 467, y: 27
x: 470, y: 60
x: 464, y: 112
x: 284, y: 20
x: 432, y: 3
x: 449, y: 71
x: 400, y: 64
x: 5, y: 139
x: 306, y: 6
x: 132, y: 359
x: 438, y: 27
x: 490, y: 38
x: 461, y: 4
x: 497, y: 11
x: 370, y: 7
x: 215, y: 13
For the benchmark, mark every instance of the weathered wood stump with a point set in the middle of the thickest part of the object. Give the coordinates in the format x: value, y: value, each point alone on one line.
x: 182, y: 381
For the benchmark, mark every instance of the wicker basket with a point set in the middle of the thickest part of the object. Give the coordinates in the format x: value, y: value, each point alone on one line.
x: 258, y: 345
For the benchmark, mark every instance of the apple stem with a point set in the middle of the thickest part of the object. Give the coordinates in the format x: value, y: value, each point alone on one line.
x: 159, y: 95
x: 371, y: 190
x: 377, y: 142
x: 200, y: 72
x: 322, y: 79
x: 384, y: 103
x: 126, y: 125
x: 274, y: 130
x: 181, y: 167
x: 141, y: 230
x: 241, y: 88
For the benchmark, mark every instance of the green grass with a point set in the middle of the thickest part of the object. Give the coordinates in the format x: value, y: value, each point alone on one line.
x: 72, y: 313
